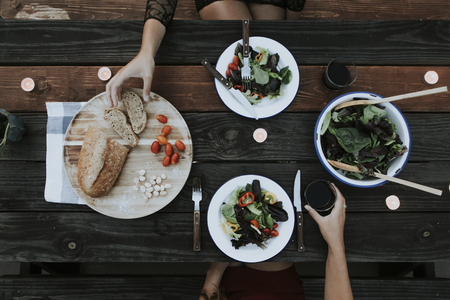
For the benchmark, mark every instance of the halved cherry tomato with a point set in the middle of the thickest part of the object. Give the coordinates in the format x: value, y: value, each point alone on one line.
x: 266, y: 230
x: 255, y: 223
x: 166, y: 161
x: 239, y: 87
x: 246, y: 199
x: 174, y: 158
x: 166, y: 130
x: 274, y: 233
x: 259, y: 95
x: 169, y: 149
x: 155, y: 147
x: 161, y: 118
x: 236, y: 60
x: 233, y: 67
x: 228, y: 73
x: 275, y: 225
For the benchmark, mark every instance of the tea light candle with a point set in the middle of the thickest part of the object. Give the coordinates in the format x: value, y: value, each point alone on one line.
x: 27, y: 84
x: 431, y: 77
x: 260, y: 135
x: 393, y: 202
x: 104, y: 73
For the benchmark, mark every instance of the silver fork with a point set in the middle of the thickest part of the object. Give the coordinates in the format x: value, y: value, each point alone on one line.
x: 197, y: 197
x: 245, y: 71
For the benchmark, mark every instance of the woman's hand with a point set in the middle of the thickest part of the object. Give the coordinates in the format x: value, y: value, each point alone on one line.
x: 142, y: 66
x: 213, y: 279
x: 332, y: 225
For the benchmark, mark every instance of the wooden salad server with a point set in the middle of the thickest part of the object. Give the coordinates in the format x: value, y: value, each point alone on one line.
x: 350, y: 168
x: 393, y: 98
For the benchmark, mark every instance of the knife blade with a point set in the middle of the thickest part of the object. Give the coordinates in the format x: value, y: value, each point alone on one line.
x: 298, y: 214
x: 237, y: 94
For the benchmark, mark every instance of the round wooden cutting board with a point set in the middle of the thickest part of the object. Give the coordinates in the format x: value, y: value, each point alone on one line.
x: 123, y: 201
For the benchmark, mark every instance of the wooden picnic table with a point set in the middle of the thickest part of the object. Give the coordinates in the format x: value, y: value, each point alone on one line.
x: 64, y: 56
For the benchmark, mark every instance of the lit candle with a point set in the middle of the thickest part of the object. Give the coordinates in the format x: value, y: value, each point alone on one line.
x: 260, y: 135
x: 104, y: 73
x: 27, y: 84
x: 393, y: 202
x: 431, y: 77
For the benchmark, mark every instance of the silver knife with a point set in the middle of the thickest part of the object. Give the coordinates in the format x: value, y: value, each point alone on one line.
x: 237, y: 94
x: 298, y: 214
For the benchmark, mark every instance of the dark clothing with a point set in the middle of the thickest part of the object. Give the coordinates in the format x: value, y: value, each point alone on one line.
x: 240, y: 283
x: 163, y: 10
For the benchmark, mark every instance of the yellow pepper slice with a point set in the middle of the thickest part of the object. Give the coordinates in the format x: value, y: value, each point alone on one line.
x: 270, y: 198
x: 259, y: 56
x: 234, y: 227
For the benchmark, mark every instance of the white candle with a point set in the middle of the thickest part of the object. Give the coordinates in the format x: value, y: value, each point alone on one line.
x: 104, y: 73
x: 393, y: 202
x: 260, y: 135
x: 27, y: 84
x: 431, y: 77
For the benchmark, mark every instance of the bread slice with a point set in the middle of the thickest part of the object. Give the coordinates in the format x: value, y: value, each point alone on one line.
x: 135, y: 110
x: 101, y: 161
x: 118, y: 122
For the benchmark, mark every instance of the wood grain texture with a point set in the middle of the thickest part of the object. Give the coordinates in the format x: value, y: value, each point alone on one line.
x: 122, y: 201
x: 228, y: 137
x: 185, y: 288
x: 311, y: 42
x: 26, y: 192
x: 163, y: 237
x: 314, y: 9
x: 192, y: 89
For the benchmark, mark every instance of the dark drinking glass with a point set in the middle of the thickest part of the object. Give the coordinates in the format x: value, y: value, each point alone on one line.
x: 339, y: 73
x: 320, y: 195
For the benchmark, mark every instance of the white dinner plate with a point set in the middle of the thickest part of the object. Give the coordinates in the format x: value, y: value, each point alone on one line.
x: 250, y: 253
x: 267, y: 108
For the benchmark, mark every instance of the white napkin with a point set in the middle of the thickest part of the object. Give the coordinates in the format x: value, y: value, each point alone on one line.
x: 57, y: 186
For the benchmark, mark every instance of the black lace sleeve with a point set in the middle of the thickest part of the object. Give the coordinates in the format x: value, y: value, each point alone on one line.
x: 295, y: 5
x: 161, y: 10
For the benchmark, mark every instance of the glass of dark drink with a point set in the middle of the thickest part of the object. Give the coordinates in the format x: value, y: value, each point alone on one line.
x: 339, y: 74
x: 320, y: 195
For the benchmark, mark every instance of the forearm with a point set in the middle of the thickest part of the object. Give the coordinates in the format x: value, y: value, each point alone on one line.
x: 337, y: 281
x: 152, y: 37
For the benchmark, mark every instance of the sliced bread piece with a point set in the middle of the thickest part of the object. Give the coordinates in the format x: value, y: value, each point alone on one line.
x: 135, y: 110
x: 101, y: 161
x: 118, y: 122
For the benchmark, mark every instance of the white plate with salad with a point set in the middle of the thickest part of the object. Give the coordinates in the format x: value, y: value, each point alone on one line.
x: 223, y: 235
x: 281, y: 98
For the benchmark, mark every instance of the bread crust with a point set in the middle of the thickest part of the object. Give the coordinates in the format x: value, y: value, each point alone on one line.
x: 101, y: 161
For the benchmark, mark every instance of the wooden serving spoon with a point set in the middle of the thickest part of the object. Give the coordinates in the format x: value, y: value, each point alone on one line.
x: 350, y: 168
x: 393, y: 98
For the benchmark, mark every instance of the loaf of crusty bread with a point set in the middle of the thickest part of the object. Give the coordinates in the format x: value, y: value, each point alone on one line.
x: 100, y: 163
x: 118, y: 122
x: 135, y: 110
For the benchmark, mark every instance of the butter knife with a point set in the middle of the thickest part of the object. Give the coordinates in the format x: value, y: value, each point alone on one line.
x: 237, y: 94
x: 298, y: 214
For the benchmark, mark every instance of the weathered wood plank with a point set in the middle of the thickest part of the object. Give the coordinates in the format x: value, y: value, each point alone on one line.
x: 167, y: 237
x: 191, y: 88
x: 314, y: 9
x: 23, y: 186
x: 228, y: 137
x: 162, y: 287
x: 186, y: 42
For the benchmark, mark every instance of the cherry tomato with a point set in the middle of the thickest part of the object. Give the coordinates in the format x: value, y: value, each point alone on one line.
x: 166, y: 130
x: 166, y: 161
x: 274, y: 233
x: 169, y: 149
x: 266, y: 230
x: 174, y: 158
x: 228, y: 73
x: 236, y: 60
x: 162, y: 139
x: 161, y: 118
x: 232, y: 67
x: 275, y: 225
x: 255, y: 223
x: 180, y: 145
x: 155, y: 147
